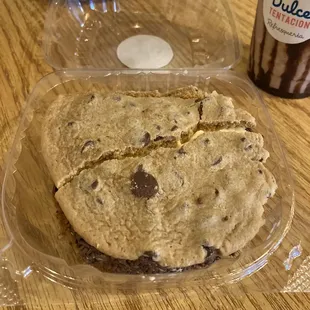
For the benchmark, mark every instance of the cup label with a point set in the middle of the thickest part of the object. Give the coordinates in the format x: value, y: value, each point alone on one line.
x: 288, y: 21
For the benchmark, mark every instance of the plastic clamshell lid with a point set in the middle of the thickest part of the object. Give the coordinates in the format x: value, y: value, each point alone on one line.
x: 87, y: 33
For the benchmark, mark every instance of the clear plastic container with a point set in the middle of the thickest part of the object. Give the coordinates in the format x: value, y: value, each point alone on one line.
x: 86, y: 33
x: 77, y: 36
x: 30, y: 210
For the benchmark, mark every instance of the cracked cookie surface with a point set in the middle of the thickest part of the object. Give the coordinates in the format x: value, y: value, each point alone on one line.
x: 80, y: 130
x: 162, y: 174
x: 218, y: 112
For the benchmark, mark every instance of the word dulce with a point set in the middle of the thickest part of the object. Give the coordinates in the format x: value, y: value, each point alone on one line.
x: 293, y: 9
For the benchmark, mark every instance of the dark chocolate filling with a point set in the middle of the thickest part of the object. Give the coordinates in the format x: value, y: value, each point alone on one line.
x: 144, y: 264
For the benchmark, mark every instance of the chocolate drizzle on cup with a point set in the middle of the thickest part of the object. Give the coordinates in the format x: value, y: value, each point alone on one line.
x: 277, y: 67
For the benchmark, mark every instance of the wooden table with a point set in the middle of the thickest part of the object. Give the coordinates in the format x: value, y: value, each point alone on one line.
x: 22, y: 65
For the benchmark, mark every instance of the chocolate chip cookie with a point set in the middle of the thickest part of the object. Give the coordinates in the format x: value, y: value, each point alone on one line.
x: 173, y: 202
x: 171, y: 179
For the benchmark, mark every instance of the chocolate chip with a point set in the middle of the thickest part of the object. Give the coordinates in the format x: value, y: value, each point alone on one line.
x: 99, y: 201
x: 158, y: 138
x: 70, y: 124
x: 249, y: 147
x: 149, y: 254
x: 207, y: 141
x: 87, y: 145
x: 90, y: 98
x: 199, y: 201
x: 260, y: 171
x: 181, y: 151
x: 225, y: 219
x: 216, y: 192
x: 175, y: 127
x: 249, y: 129
x: 146, y: 139
x: 143, y: 184
x: 170, y: 138
x: 98, y: 140
x: 94, y: 184
x: 188, y: 113
x: 261, y: 160
x: 158, y: 127
x: 210, y: 250
x: 235, y: 254
x: 200, y: 109
x: 218, y: 161
x: 243, y: 139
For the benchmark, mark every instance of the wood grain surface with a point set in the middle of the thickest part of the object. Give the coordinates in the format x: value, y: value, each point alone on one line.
x: 22, y: 64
